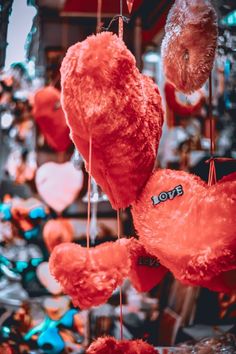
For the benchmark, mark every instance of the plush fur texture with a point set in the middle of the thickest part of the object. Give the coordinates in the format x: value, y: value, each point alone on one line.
x: 189, y: 45
x: 145, y: 271
x: 57, y: 231
x: 58, y: 184
x: 109, y: 345
x: 105, y: 96
x: 50, y: 118
x: 194, y: 235
x: 90, y: 276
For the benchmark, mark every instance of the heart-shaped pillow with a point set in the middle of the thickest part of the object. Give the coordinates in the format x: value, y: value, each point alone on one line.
x: 106, y: 97
x: 110, y: 345
x: 188, y: 225
x: 91, y: 275
x: 58, y: 184
x: 146, y: 270
x: 57, y: 231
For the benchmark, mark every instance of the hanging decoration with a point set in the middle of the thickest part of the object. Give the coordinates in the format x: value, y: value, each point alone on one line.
x: 50, y: 118
x: 58, y: 184
x: 90, y: 275
x: 189, y: 45
x: 110, y: 345
x: 57, y: 231
x: 116, y: 105
x: 179, y: 107
x: 192, y: 229
x: 130, y: 4
x: 146, y: 270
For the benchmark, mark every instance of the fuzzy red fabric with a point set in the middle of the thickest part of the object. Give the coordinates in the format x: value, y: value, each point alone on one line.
x: 193, y: 235
x: 50, y: 118
x: 56, y: 232
x: 189, y: 45
x: 109, y: 345
x: 177, y: 106
x: 105, y: 96
x: 146, y: 271
x: 58, y: 184
x: 90, y: 276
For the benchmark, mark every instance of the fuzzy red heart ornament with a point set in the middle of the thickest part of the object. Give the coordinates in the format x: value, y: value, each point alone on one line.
x: 58, y: 184
x: 188, y: 48
x: 110, y: 345
x: 146, y: 270
x: 188, y: 225
x: 56, y: 232
x: 91, y: 275
x: 105, y: 96
x: 50, y: 118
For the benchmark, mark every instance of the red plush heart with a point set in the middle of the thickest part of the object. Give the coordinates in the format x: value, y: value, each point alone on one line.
x: 50, y: 118
x: 146, y: 271
x: 106, y: 97
x: 109, y: 345
x: 58, y: 184
x: 57, y: 231
x: 90, y: 276
x: 193, y: 234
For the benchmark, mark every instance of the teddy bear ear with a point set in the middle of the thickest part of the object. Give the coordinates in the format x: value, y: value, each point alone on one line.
x: 188, y: 48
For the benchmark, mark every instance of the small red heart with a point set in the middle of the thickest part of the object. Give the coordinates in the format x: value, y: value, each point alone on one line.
x: 194, y: 234
x: 91, y: 275
x: 146, y: 270
x: 109, y: 345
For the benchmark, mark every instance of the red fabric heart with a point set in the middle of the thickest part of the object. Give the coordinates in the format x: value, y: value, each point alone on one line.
x: 146, y: 271
x: 56, y: 232
x: 90, y: 276
x: 50, y: 118
x: 106, y: 97
x: 194, y: 234
x: 109, y: 345
x: 188, y: 48
x: 58, y: 184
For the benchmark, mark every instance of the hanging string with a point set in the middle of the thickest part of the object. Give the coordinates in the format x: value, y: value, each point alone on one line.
x: 121, y: 23
x: 89, y: 192
x: 212, y: 179
x: 121, y: 300
x: 99, y: 16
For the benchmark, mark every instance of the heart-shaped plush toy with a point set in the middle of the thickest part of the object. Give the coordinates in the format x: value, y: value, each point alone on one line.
x: 58, y: 184
x: 50, y: 118
x: 110, y: 345
x: 57, y: 231
x: 145, y: 271
x: 106, y: 97
x: 188, y: 48
x: 91, y: 275
x: 188, y: 225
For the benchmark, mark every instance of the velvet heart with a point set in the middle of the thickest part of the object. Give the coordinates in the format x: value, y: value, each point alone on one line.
x: 146, y: 270
x: 91, y: 275
x: 110, y: 345
x: 58, y: 184
x: 188, y: 225
x: 105, y: 97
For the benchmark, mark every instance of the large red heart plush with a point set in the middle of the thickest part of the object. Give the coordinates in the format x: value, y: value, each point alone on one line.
x: 91, y: 275
x: 188, y: 225
x: 58, y: 184
x: 50, y: 118
x: 110, y: 345
x: 105, y: 96
x: 146, y: 270
x: 188, y: 48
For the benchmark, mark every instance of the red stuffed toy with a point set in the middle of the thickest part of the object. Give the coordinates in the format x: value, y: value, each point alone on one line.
x: 50, y: 118
x: 105, y: 97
